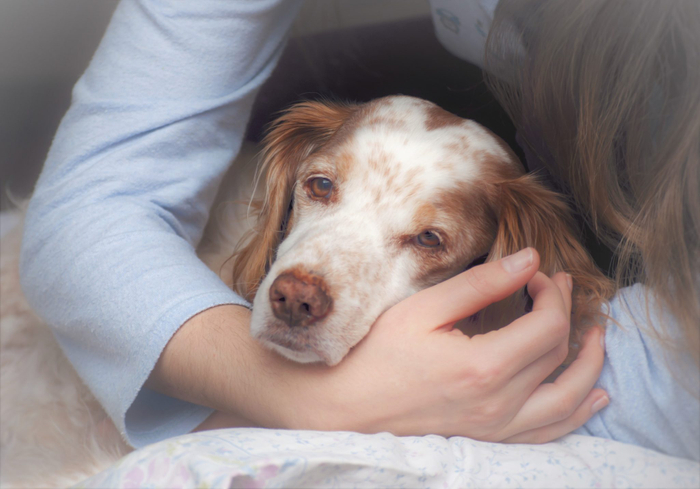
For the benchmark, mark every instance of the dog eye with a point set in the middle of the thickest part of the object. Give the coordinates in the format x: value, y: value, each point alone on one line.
x: 320, y: 187
x: 428, y: 239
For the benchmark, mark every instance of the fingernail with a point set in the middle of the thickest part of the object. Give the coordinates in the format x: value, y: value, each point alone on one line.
x: 570, y: 282
x: 600, y: 404
x: 518, y: 262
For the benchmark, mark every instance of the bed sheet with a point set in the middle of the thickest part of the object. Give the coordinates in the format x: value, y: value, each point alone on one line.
x: 256, y: 458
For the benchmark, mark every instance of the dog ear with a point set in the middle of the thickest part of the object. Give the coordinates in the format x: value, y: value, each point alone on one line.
x: 529, y: 214
x: 296, y: 134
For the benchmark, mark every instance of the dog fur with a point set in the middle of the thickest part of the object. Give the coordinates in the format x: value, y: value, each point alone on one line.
x: 399, y: 167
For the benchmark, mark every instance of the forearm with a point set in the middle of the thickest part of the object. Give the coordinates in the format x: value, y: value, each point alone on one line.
x: 212, y: 361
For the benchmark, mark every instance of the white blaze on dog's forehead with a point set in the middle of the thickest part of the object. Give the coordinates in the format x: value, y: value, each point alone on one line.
x: 400, y: 104
x: 397, y: 164
x: 463, y: 137
x: 406, y: 148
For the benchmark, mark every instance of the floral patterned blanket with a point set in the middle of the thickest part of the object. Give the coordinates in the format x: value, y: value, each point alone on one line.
x: 256, y: 458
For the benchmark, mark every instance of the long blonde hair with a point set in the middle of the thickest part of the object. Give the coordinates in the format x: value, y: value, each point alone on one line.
x: 607, y: 94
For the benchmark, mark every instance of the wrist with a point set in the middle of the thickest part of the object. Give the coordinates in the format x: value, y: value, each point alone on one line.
x: 194, y: 365
x: 213, y: 361
x: 299, y: 396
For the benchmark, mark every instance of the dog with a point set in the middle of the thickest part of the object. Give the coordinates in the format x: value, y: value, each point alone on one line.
x: 363, y: 205
x: 369, y: 203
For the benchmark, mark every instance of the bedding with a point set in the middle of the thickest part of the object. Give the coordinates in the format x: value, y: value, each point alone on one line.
x: 255, y: 458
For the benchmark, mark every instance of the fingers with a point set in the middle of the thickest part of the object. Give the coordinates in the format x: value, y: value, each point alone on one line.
x: 535, y: 373
x: 533, y: 335
x: 560, y: 400
x: 594, y: 402
x: 471, y: 291
x: 548, y: 293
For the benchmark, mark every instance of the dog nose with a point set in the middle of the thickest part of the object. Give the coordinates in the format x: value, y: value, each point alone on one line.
x: 299, y: 300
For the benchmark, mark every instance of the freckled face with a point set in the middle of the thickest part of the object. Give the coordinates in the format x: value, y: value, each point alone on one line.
x: 386, y: 212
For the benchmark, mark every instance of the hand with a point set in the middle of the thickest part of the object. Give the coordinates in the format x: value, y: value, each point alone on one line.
x: 413, y: 374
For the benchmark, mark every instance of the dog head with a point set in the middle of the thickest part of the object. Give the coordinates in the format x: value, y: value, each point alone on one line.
x: 367, y: 204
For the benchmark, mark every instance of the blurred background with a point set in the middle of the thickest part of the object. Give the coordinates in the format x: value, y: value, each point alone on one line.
x: 347, y: 49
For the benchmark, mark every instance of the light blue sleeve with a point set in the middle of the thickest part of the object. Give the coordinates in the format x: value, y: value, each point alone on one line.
x: 654, y: 392
x: 108, y: 257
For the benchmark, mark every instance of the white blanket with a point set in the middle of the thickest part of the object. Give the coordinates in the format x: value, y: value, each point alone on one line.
x: 276, y: 458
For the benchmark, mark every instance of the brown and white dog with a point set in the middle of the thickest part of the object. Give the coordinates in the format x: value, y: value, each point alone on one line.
x: 364, y: 205
x: 368, y: 204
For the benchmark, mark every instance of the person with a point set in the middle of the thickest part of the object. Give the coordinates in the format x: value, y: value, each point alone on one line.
x: 108, y: 259
x: 615, y: 122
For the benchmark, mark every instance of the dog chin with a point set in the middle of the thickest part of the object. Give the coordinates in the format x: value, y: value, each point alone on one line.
x: 297, y: 356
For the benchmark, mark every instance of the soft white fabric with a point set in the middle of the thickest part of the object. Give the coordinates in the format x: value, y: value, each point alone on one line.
x: 274, y: 458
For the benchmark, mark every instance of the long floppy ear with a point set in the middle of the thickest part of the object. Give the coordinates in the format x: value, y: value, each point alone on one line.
x: 296, y: 134
x: 531, y: 215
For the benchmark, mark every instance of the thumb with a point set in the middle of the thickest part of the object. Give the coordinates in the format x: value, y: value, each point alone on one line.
x: 473, y: 290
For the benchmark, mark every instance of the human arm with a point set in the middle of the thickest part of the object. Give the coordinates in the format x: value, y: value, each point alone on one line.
x: 411, y: 375
x: 108, y: 254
